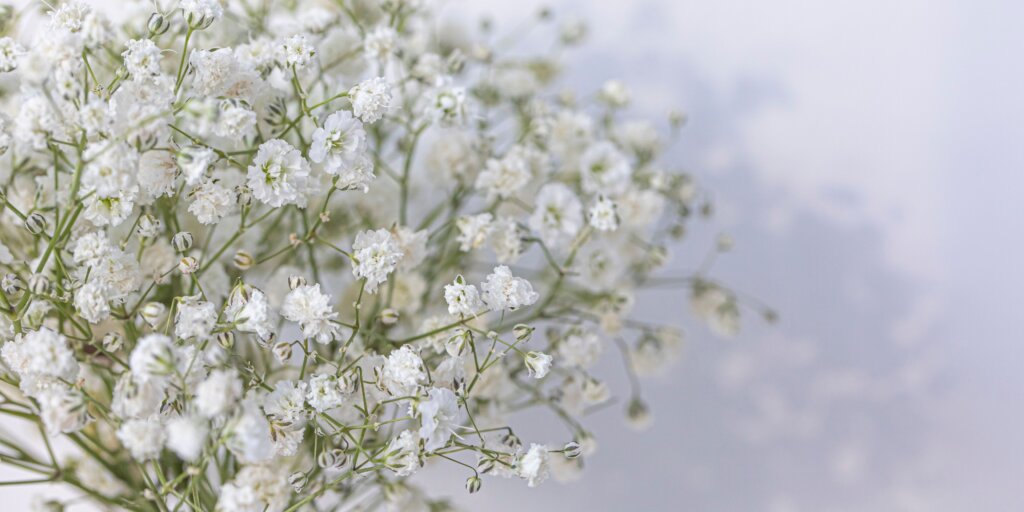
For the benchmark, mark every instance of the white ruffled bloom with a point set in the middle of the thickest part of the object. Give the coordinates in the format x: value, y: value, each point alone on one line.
x: 377, y: 253
x: 438, y: 415
x: 404, y: 453
x: 195, y: 318
x: 144, y: 438
x: 142, y: 58
x: 211, y: 202
x: 186, y: 436
x: 534, y: 466
x: 248, y: 434
x: 502, y: 290
x: 324, y: 392
x: 218, y: 394
x: 312, y: 310
x: 10, y: 53
x: 579, y: 348
x: 249, y: 310
x: 371, y: 99
x: 603, y: 215
x: 557, y: 215
x: 473, y: 230
x: 297, y: 51
x: 91, y: 302
x: 403, y: 372
x: 279, y: 175
x: 463, y: 299
x: 538, y: 364
x: 339, y: 144
x: 505, y: 177
x: 40, y: 355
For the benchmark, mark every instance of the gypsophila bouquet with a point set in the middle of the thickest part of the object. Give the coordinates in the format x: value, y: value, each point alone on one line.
x: 266, y: 256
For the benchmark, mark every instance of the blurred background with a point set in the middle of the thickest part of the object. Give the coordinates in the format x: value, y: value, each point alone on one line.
x: 867, y: 159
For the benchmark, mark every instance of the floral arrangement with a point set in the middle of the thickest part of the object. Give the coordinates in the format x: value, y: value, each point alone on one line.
x: 278, y: 256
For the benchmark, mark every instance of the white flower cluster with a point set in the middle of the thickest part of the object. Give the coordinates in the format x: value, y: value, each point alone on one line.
x: 261, y: 259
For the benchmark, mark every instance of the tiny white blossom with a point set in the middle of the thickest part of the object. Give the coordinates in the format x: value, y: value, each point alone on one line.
x: 538, y: 364
x: 557, y: 215
x: 371, y: 99
x: 312, y: 310
x: 91, y: 301
x: 324, y: 392
x: 438, y: 415
x: 403, y: 453
x: 186, y: 436
x: 10, y: 53
x: 144, y: 438
x: 605, y: 169
x: 279, y: 175
x: 339, y: 144
x: 462, y: 298
x: 534, y: 466
x: 297, y: 51
x: 403, y: 371
x: 473, y: 230
x: 195, y: 318
x: 219, y: 393
x: 502, y: 290
x: 377, y: 253
x: 142, y: 58
x: 249, y: 309
x: 603, y: 215
x: 211, y: 202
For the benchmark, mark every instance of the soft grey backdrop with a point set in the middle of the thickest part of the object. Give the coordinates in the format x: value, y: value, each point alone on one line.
x: 867, y: 158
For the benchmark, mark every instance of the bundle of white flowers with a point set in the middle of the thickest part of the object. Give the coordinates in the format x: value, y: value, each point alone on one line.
x: 266, y: 256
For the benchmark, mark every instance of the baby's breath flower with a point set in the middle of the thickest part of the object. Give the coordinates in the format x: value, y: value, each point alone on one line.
x: 538, y: 364
x: 376, y: 254
x: 371, y: 99
x: 502, y: 290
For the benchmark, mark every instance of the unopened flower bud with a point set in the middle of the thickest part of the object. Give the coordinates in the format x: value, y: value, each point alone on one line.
x: 389, y: 316
x: 35, y: 223
x: 485, y: 466
x: 297, y: 480
x: 188, y: 265
x: 243, y: 260
x: 157, y: 24
x: 296, y: 281
x: 340, y: 458
x: 112, y: 341
x: 244, y: 194
x: 512, y: 441
x: 638, y: 414
x: 153, y: 313
x: 226, y: 340
x: 182, y: 241
x: 38, y: 284
x: 473, y: 484
x: 283, y: 351
x: 325, y: 459
x: 523, y: 332
x: 572, y: 450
